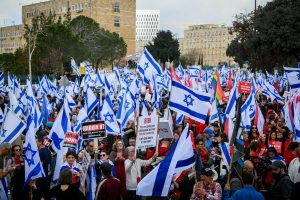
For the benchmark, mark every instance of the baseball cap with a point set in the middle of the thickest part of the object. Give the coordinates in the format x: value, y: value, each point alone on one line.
x: 207, y: 172
x: 277, y: 164
x: 209, y: 131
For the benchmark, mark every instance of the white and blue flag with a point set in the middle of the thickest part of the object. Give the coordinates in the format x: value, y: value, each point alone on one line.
x: 108, y: 115
x: 81, y: 117
x: 180, y: 157
x: 191, y: 103
x: 126, y: 110
x: 32, y: 161
x: 12, y: 127
x: 293, y: 76
x: 90, y: 101
x: 75, y: 67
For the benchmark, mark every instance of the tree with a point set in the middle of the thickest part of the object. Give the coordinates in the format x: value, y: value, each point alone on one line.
x: 104, y: 47
x: 164, y: 47
x: 269, y: 37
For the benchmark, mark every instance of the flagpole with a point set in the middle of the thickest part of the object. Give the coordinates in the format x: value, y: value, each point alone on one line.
x: 157, y: 139
x: 234, y: 134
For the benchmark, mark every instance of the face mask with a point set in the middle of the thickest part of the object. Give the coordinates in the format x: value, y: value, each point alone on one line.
x: 276, y: 176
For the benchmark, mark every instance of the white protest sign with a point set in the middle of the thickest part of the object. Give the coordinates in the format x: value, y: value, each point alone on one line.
x: 165, y: 129
x: 147, y: 131
x: 85, y: 165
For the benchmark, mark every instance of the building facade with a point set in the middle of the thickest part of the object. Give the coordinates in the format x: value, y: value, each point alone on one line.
x: 208, y: 41
x: 147, y: 26
x: 114, y: 15
x: 11, y: 38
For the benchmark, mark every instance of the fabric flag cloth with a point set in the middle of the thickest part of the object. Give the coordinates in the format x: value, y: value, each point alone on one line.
x: 259, y: 119
x: 57, y: 134
x: 91, y: 101
x: 81, y: 117
x: 2, y: 82
x: 3, y: 189
x: 248, y: 110
x: 107, y: 114
x: 293, y: 76
x: 125, y: 112
x: 148, y: 65
x: 14, y: 103
x: 193, y: 104
x: 297, y: 118
x: 180, y: 157
x: 32, y: 161
x: 75, y: 67
x: 12, y: 127
x: 216, y: 85
x: 214, y: 117
x: 91, y: 182
x: 194, y: 71
x: 225, y: 152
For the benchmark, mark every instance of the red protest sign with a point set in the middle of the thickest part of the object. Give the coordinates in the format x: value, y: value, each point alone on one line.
x: 244, y: 87
x: 71, y: 140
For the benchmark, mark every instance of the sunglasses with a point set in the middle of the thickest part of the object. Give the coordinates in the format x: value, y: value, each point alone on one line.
x: 102, y: 155
x: 17, y: 150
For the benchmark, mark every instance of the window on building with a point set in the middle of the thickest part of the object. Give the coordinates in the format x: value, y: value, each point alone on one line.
x: 117, y: 22
x: 116, y: 6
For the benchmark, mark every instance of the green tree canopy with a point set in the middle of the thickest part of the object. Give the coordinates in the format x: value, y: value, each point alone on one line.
x: 269, y: 37
x: 164, y: 47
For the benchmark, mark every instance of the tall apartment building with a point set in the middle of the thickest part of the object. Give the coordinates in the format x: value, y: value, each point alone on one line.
x: 11, y: 38
x: 147, y: 26
x: 114, y: 15
x: 209, y: 41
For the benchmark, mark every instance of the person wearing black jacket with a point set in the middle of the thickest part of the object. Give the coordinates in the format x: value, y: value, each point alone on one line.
x: 281, y: 188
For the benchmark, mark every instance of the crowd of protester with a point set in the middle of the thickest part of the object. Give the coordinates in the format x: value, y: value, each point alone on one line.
x: 271, y: 168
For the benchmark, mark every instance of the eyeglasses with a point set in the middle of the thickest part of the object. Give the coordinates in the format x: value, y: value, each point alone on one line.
x: 17, y: 150
x: 102, y: 155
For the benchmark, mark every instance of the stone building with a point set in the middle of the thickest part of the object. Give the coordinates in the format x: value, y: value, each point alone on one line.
x: 208, y: 41
x: 114, y: 15
x: 11, y: 38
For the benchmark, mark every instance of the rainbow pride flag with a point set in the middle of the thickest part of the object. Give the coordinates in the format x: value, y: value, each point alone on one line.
x: 215, y: 83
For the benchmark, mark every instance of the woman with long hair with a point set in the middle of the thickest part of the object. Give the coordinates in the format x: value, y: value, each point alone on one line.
x: 117, y: 156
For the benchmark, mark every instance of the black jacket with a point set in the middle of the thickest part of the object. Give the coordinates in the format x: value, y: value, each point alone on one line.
x: 281, y: 189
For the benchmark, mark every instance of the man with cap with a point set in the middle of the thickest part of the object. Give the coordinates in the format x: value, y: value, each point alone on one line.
x: 282, y: 185
x: 206, y: 188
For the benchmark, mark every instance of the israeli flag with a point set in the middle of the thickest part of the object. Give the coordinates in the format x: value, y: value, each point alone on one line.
x: 14, y: 104
x: 214, y: 117
x: 179, y: 118
x: 3, y: 189
x: 33, y: 165
x: 75, y: 67
x: 162, y: 81
x: 194, y: 71
x: 297, y: 118
x: 293, y: 76
x: 126, y: 110
x: 248, y: 111
x: 180, y: 71
x: 225, y: 152
x: 81, y: 117
x: 271, y: 92
x: 2, y: 82
x: 12, y: 127
x: 108, y: 115
x: 57, y: 134
x: 90, y: 101
x: 230, y: 109
x: 191, y: 103
x: 91, y: 182
x: 148, y: 66
x: 46, y: 109
x: 180, y: 157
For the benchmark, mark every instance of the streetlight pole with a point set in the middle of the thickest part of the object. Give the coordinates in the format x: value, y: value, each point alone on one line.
x: 255, y: 6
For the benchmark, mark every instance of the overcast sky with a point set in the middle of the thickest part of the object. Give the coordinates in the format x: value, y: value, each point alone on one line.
x: 175, y: 15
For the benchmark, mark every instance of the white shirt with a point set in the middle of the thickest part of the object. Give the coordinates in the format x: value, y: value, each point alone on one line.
x: 294, y: 170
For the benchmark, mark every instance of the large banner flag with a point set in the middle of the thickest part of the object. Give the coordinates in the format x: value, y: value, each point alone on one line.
x: 181, y: 157
x: 191, y: 103
x: 12, y: 127
x: 293, y: 75
x: 148, y: 65
x: 33, y: 164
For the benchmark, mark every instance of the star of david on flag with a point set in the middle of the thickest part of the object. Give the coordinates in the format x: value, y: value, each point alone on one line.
x: 107, y: 114
x: 191, y: 103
